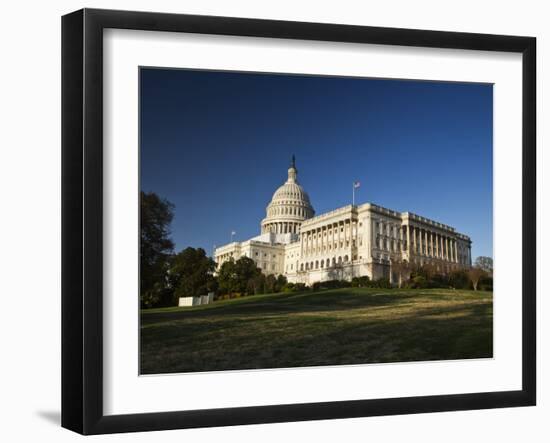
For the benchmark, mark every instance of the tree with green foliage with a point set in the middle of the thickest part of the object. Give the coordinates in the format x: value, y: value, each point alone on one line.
x: 227, y: 277
x: 191, y: 273
x: 246, y: 270
x: 257, y: 284
x: 234, y: 276
x: 281, y: 282
x: 156, y: 214
x: 270, y: 284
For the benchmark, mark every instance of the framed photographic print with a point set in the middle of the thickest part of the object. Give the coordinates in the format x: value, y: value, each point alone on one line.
x: 269, y: 221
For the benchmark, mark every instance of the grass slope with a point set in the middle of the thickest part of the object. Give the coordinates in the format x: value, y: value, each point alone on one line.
x: 342, y: 326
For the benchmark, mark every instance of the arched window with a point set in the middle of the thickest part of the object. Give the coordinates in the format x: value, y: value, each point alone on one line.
x: 322, y: 264
x: 316, y: 264
x: 339, y: 260
x: 333, y: 261
x: 346, y: 258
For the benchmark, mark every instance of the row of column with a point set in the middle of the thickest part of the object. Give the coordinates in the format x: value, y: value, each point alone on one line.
x: 431, y: 244
x: 287, y: 210
x: 315, y: 241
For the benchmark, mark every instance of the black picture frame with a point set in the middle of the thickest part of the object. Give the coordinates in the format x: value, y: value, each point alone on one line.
x: 82, y: 218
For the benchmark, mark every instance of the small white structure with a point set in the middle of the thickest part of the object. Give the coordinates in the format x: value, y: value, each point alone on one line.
x: 196, y: 301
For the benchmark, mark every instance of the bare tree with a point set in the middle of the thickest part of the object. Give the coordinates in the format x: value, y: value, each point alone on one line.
x: 475, y: 273
x: 401, y: 268
x: 485, y: 263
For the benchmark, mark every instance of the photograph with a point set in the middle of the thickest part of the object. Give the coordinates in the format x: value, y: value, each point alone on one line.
x: 291, y: 220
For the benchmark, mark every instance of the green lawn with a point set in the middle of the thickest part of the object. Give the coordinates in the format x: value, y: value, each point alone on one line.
x: 333, y: 327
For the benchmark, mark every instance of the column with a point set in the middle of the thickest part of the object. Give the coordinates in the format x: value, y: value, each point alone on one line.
x: 446, y: 248
x: 372, y: 235
x: 437, y: 245
x: 453, y: 250
x: 427, y: 245
x: 420, y: 242
x: 315, y: 240
x: 408, y: 239
x: 456, y: 251
x: 414, y: 239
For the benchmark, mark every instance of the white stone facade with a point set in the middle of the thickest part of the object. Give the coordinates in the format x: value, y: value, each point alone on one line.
x: 352, y: 241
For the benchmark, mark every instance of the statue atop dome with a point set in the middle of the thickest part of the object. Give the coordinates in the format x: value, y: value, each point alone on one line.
x: 292, y: 171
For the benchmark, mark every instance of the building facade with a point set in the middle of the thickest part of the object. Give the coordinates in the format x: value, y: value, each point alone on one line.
x: 352, y: 241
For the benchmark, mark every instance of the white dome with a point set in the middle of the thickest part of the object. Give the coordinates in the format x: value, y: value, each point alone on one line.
x: 289, y: 206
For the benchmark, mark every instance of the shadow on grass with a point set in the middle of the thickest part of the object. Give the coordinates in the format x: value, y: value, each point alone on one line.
x: 296, y: 336
x: 339, y: 299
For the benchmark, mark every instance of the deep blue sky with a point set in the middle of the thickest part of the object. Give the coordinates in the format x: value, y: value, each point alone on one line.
x: 218, y: 144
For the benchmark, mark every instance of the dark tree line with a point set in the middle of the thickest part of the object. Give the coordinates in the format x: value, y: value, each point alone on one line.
x: 243, y: 277
x: 165, y: 276
x: 156, y: 247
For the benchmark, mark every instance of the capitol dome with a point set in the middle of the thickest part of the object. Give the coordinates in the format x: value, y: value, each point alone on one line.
x: 289, y: 206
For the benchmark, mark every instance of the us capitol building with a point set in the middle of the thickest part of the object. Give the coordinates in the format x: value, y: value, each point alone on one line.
x: 351, y: 241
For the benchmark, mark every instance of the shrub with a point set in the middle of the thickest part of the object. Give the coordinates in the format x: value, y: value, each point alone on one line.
x: 418, y: 282
x: 382, y: 283
x: 486, y: 284
x: 298, y: 287
x: 459, y: 280
x: 288, y: 287
x: 330, y: 284
x: 361, y: 282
